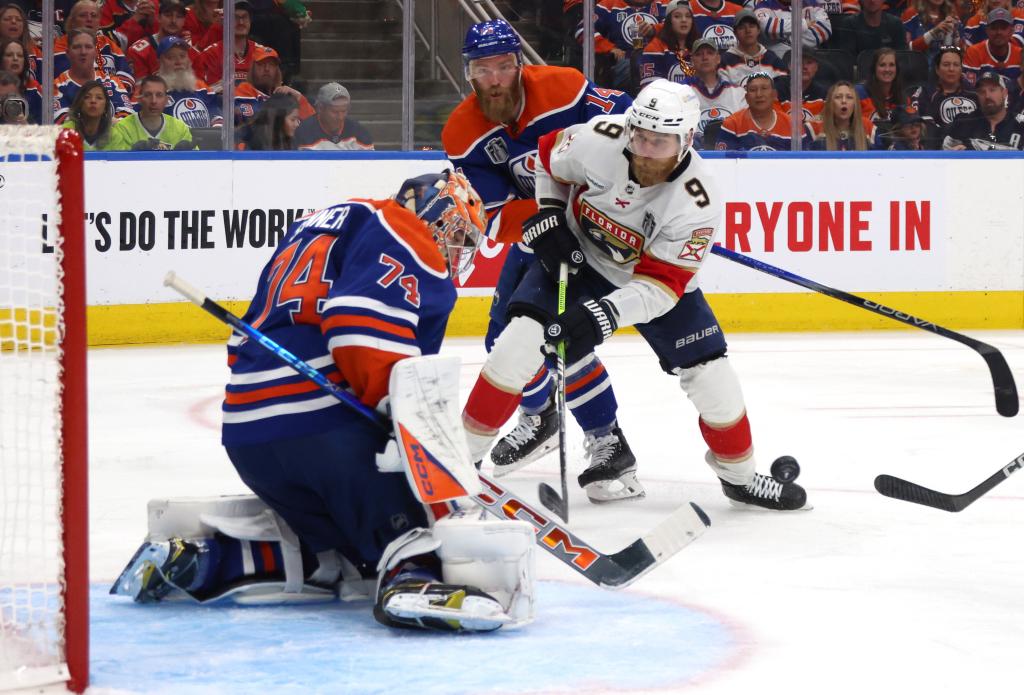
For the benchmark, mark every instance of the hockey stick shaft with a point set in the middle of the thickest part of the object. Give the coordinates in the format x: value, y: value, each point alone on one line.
x: 612, y: 571
x: 1007, y: 402
x: 547, y: 495
x: 900, y: 489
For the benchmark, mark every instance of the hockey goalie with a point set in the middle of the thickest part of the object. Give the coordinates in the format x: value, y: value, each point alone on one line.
x: 362, y: 292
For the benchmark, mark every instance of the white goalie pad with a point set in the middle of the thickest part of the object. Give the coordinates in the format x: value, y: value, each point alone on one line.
x: 424, y: 399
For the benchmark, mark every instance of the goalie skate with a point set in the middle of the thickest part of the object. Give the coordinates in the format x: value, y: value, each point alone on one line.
x: 157, y: 569
x: 435, y: 606
x: 611, y: 474
x: 531, y: 438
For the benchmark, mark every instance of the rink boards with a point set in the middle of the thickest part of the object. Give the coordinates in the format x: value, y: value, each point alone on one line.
x: 940, y: 236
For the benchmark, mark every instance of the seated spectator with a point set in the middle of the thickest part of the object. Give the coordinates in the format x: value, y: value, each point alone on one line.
x: 715, y: 20
x: 13, y: 107
x: 143, y: 53
x: 151, y: 128
x: 974, y: 28
x: 869, y: 30
x: 992, y: 127
x: 931, y: 24
x: 621, y: 28
x: 127, y: 21
x: 82, y: 68
x: 14, y: 26
x: 718, y: 99
x: 212, y: 61
x: 92, y: 115
x: 748, y: 56
x: 264, y: 78
x: 14, y: 60
x: 949, y: 97
x: 763, y: 125
x: 110, y: 59
x: 776, y: 25
x: 842, y: 127
x: 997, y: 53
x: 881, y: 92
x: 203, y: 23
x: 668, y: 53
x: 279, y: 24
x: 812, y: 90
x: 188, y: 98
x: 274, y: 126
x: 331, y: 128
x: 908, y: 135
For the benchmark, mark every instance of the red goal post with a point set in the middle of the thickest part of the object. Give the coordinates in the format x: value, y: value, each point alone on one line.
x: 44, y: 578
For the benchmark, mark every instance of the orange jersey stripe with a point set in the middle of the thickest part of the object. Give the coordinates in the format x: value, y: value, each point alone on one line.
x: 366, y: 322
x: 233, y: 398
x: 577, y: 385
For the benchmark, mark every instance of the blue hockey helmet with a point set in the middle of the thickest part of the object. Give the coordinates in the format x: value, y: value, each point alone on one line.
x: 491, y: 38
x: 453, y: 211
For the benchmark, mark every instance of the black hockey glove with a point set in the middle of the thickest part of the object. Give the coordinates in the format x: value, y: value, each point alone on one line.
x: 583, y: 326
x: 551, y: 240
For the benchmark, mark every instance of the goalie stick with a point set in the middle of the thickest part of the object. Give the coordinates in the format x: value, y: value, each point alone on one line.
x: 1007, y: 403
x: 612, y: 571
x: 900, y: 489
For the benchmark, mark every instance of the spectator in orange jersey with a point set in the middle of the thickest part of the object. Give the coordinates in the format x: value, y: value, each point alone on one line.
x: 212, y: 67
x: 203, y: 23
x: 842, y: 126
x: 763, y: 126
x: 667, y: 55
x: 110, y: 59
x: 931, y: 24
x: 82, y: 54
x: 997, y: 53
x: 812, y: 90
x: 264, y: 78
x: 330, y: 128
x: 143, y: 53
x: 974, y: 27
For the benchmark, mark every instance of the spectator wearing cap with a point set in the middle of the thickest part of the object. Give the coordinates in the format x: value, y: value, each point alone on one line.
x: 812, y: 90
x: 203, y: 23
x: 776, y: 22
x: 870, y: 29
x: 931, y: 24
x: 621, y: 28
x: 667, y: 55
x: 947, y: 96
x: 331, y: 128
x: 188, y: 98
x: 997, y: 53
x: 715, y: 20
x: 992, y: 127
x: 110, y: 59
x: 127, y: 21
x: 151, y: 128
x: 144, y: 53
x: 842, y: 127
x: 763, y: 125
x: 212, y: 67
x: 974, y: 28
x: 909, y: 132
x: 82, y: 68
x: 264, y: 78
x: 748, y: 55
x: 719, y: 98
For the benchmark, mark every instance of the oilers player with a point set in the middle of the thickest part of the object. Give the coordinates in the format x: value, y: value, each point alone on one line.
x: 492, y: 136
x: 354, y: 290
x: 630, y: 194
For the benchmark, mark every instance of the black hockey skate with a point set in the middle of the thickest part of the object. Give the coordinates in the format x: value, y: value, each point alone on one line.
x: 768, y: 493
x: 611, y: 474
x: 532, y: 437
x: 429, y: 605
x: 157, y: 569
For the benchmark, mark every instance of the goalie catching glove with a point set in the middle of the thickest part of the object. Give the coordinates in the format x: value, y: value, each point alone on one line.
x: 583, y: 326
x: 552, y: 242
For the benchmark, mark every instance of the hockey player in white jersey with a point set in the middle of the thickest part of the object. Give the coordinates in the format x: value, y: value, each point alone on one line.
x: 629, y: 195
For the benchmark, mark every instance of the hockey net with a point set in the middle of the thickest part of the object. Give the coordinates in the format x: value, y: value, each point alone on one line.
x: 43, y: 520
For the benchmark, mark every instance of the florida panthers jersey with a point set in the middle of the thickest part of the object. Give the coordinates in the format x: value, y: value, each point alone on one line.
x: 500, y: 160
x: 351, y: 289
x: 656, y: 236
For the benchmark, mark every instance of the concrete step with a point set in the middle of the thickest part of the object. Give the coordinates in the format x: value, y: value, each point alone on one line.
x: 352, y: 27
x: 386, y: 89
x: 342, y: 9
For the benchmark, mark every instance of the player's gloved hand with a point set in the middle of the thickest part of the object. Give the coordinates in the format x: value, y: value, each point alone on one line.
x: 551, y: 240
x: 389, y: 460
x: 583, y: 326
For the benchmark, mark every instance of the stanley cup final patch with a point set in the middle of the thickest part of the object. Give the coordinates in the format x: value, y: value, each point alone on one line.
x: 694, y: 249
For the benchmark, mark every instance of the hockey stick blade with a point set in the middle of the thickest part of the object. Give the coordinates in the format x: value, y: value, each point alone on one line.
x: 611, y: 571
x: 900, y: 489
x: 553, y: 501
x: 1007, y: 401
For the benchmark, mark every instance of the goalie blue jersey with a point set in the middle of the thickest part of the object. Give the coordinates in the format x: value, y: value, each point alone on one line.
x: 350, y: 289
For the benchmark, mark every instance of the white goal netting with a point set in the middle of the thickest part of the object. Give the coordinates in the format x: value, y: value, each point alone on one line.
x: 31, y: 328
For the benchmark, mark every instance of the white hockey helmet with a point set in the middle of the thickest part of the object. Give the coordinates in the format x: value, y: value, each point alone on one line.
x: 663, y: 107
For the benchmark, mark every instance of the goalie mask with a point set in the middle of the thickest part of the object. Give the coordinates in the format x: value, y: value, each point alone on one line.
x: 452, y: 210
x: 662, y: 120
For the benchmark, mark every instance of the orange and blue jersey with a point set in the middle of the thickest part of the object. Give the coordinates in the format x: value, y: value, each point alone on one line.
x: 65, y: 89
x: 617, y: 24
x: 715, y: 25
x: 110, y: 59
x: 500, y: 160
x: 974, y: 27
x: 978, y: 58
x: 351, y: 289
x: 658, y: 60
x: 740, y: 132
x: 737, y: 67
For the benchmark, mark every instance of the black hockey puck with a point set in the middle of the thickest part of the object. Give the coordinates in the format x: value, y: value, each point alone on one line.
x: 785, y: 469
